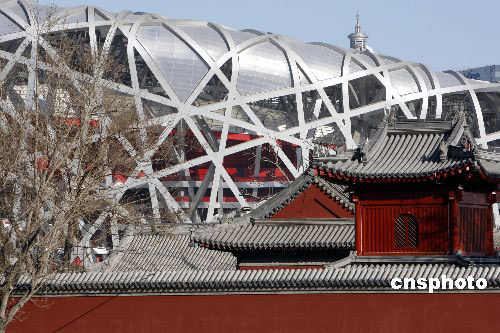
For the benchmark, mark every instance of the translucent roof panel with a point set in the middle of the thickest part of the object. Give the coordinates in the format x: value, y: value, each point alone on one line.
x: 302, y: 77
x: 323, y: 62
x: 133, y: 17
x: 74, y: 18
x: 472, y: 81
x: 403, y: 82
x: 99, y: 17
x: 181, y: 67
x: 424, y: 76
x: 209, y: 39
x: 354, y: 67
x: 7, y: 26
x: 43, y: 13
x: 366, y: 59
x: 16, y: 9
x: 239, y: 36
x: 389, y: 60
x: 447, y: 80
x: 263, y: 67
x: 126, y: 27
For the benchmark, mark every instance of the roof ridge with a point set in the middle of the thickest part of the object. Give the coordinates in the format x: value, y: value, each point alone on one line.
x: 336, y: 193
x: 280, y: 237
x: 374, y: 276
x: 397, y: 154
x: 374, y: 142
x: 297, y: 187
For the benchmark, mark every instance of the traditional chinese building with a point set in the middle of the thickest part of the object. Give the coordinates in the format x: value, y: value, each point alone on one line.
x: 307, y: 225
x: 420, y: 188
x: 308, y: 197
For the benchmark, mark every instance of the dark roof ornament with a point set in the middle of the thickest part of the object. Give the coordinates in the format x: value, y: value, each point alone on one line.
x: 422, y: 149
x: 458, y: 114
x: 466, y: 143
x: 443, y: 151
x: 465, y: 147
x: 390, y: 116
x: 359, y: 155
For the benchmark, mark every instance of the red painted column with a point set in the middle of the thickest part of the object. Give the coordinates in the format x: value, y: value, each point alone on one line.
x: 491, y: 199
x: 358, y: 234
x: 454, y: 223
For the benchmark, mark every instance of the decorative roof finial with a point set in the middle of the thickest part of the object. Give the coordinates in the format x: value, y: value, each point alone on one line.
x: 357, y: 38
x: 357, y: 28
x: 458, y: 113
x: 390, y: 116
x: 443, y: 151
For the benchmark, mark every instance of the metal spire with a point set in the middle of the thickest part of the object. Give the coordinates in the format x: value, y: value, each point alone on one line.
x: 357, y: 38
x: 357, y: 28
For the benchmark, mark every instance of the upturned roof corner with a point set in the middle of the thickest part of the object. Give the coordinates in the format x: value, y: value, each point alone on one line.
x: 414, y: 149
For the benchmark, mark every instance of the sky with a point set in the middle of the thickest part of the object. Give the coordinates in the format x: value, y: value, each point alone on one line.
x: 443, y: 34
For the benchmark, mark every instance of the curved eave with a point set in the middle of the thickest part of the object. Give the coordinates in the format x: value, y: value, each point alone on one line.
x: 275, y: 247
x: 461, y: 169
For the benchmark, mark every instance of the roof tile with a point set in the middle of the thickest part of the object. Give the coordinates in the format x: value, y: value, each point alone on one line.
x: 157, y: 252
x: 412, y: 149
x: 280, y: 236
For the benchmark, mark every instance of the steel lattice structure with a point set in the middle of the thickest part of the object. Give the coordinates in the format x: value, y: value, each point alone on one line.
x: 249, y: 99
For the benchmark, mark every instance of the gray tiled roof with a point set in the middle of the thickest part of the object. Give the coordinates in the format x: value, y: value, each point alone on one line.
x: 412, y: 149
x: 352, y: 277
x: 490, y: 162
x: 280, y: 235
x: 157, y: 252
x: 295, y: 188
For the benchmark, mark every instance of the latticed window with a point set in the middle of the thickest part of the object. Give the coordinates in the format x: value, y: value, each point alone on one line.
x: 405, y: 231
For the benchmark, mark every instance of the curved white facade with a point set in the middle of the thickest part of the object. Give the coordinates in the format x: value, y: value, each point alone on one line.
x: 254, y: 103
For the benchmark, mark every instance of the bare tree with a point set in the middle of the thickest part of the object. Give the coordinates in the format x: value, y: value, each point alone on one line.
x: 64, y: 133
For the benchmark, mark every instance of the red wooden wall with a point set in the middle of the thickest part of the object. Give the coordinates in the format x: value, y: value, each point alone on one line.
x: 447, y: 222
x: 313, y: 203
x: 361, y: 312
x: 376, y: 223
x: 475, y: 224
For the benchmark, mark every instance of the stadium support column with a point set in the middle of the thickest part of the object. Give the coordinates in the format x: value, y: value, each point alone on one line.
x: 256, y: 171
x: 201, y: 191
x: 181, y: 128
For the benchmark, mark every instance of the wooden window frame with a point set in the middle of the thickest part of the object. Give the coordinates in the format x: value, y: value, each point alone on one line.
x: 405, y: 228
